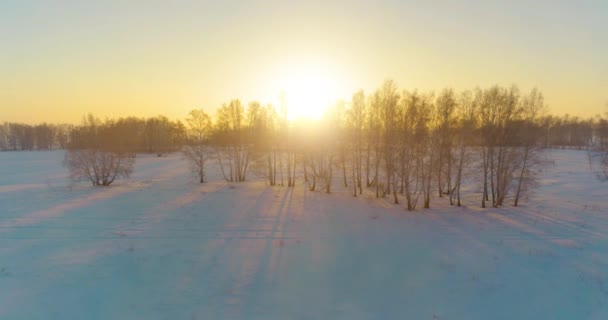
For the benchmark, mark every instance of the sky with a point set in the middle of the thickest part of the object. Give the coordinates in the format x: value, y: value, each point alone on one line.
x: 60, y: 60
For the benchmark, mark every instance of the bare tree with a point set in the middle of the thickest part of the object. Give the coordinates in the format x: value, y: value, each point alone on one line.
x: 465, y: 128
x: 446, y: 106
x: 336, y: 117
x: 356, y: 117
x: 270, y: 137
x: 92, y: 155
x: 287, y: 148
x: 528, y: 139
x: 321, y: 163
x: 233, y: 143
x: 413, y: 134
x: 197, y: 149
x: 499, y: 107
x: 101, y: 168
x: 428, y: 147
x: 389, y: 116
x: 373, y: 148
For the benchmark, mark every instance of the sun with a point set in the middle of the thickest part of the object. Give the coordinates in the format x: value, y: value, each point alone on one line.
x: 307, y: 94
x: 306, y: 85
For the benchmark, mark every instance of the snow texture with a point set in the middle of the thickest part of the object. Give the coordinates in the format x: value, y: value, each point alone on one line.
x: 161, y: 246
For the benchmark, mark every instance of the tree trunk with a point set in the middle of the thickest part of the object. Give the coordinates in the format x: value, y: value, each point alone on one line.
x: 521, y: 177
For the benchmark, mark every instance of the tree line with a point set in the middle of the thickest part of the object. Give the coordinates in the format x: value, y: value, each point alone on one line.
x: 44, y: 136
x: 145, y: 135
x: 101, y: 151
x: 131, y: 134
x: 408, y: 145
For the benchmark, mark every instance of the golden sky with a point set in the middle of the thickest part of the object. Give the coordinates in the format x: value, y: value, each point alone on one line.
x: 62, y: 59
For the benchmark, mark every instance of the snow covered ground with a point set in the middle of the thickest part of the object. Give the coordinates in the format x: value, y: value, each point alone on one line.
x: 161, y: 246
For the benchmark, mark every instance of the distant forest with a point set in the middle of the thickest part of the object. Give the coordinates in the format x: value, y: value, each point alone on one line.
x: 402, y: 144
x: 159, y: 134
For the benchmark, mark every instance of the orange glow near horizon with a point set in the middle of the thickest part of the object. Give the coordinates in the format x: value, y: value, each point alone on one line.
x: 123, y: 58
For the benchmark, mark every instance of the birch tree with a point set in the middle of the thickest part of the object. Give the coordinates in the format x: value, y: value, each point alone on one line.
x: 197, y: 149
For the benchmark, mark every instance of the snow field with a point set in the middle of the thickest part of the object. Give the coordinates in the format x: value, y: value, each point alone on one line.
x: 161, y: 246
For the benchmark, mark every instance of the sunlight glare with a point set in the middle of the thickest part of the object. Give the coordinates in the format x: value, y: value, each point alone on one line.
x: 308, y: 94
